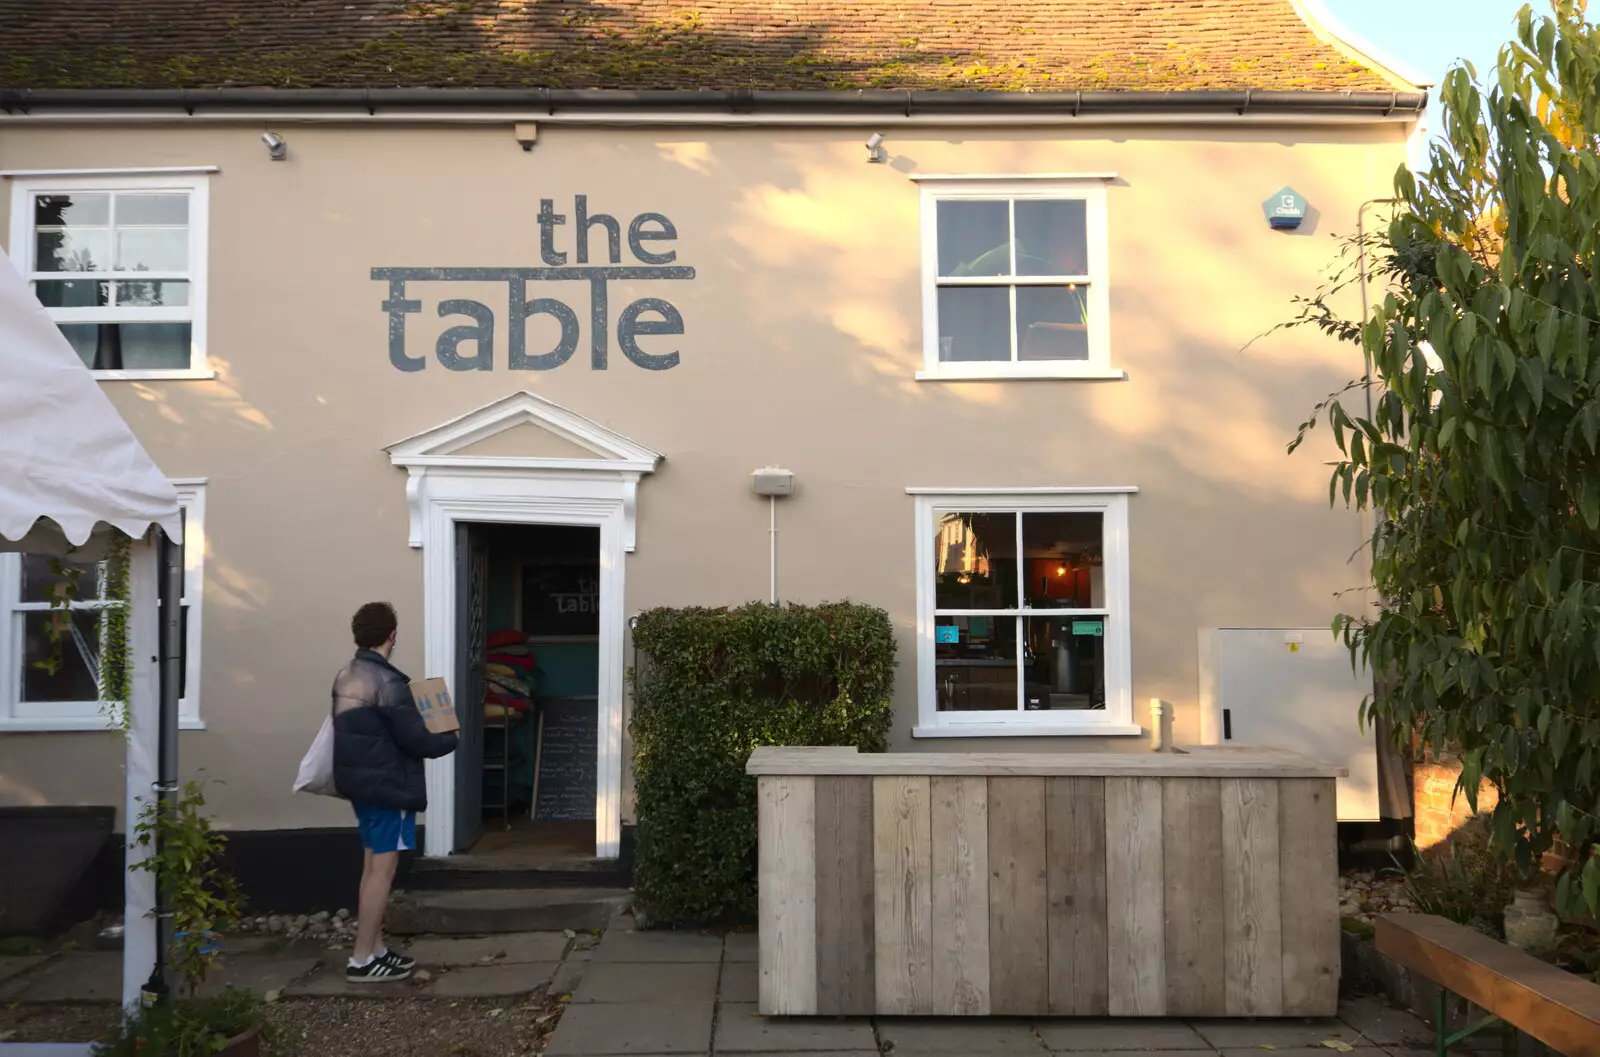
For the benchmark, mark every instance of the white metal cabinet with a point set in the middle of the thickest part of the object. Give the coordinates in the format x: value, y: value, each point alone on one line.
x: 1291, y: 688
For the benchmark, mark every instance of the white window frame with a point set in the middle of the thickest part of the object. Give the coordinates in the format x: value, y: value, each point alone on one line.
x: 1117, y: 717
x: 18, y: 716
x: 196, y: 184
x: 1089, y: 188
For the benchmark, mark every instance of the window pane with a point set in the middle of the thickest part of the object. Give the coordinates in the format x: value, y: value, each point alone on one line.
x: 975, y: 664
x: 974, y: 323
x: 1065, y: 665
x: 1052, y: 322
x: 974, y: 238
x: 39, y: 583
x: 1064, y: 553
x: 161, y: 209
x: 72, y: 250
x: 975, y: 561
x: 72, y: 293
x: 1052, y: 238
x: 77, y: 678
x: 55, y: 211
x: 152, y: 249
x: 130, y: 346
x: 153, y: 294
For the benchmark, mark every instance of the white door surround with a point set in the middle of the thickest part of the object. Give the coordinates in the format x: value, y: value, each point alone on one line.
x: 445, y: 486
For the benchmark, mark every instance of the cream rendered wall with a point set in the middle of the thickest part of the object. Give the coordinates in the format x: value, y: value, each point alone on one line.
x: 803, y: 337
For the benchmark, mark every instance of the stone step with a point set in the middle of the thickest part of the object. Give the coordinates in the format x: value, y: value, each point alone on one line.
x: 483, y: 911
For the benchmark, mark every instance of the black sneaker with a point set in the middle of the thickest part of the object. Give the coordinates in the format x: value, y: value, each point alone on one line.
x: 398, y: 959
x: 378, y: 970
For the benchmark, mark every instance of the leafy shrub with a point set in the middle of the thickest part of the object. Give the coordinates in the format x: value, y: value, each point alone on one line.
x: 1464, y: 881
x: 715, y: 684
x: 184, y: 1027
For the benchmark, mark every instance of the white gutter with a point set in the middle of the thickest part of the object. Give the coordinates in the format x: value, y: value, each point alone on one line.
x: 680, y: 119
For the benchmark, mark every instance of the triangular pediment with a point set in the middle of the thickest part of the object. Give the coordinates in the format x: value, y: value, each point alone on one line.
x: 524, y: 430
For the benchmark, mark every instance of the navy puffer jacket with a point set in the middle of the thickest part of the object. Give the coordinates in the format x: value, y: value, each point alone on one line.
x: 379, y: 739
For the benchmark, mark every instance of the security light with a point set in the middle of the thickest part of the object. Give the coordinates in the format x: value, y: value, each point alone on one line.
x: 875, y: 151
x: 277, y: 149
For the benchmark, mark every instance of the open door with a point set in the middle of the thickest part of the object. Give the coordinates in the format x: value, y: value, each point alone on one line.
x: 472, y: 578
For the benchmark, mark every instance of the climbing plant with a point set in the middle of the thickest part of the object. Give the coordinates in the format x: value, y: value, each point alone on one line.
x: 1481, y: 449
x: 114, y: 658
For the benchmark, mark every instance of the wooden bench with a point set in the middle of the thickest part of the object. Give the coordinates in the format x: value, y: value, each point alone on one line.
x: 1549, y: 1004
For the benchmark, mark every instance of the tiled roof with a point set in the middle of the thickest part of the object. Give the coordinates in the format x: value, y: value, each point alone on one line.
x: 1053, y: 45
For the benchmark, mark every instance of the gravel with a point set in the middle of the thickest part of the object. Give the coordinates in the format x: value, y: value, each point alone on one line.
x: 1364, y: 894
x: 350, y: 1027
x: 413, y: 1027
x: 56, y: 1021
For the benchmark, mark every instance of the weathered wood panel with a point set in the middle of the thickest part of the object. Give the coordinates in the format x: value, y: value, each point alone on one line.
x: 1253, y: 936
x: 1308, y: 856
x: 1019, y: 953
x: 787, y: 808
x: 961, y: 895
x: 1199, y: 761
x: 1136, y: 926
x: 845, y: 967
x: 1075, y: 825
x: 1191, y: 827
x: 902, y: 885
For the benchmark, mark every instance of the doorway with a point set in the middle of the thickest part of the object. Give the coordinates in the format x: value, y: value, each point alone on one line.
x: 528, y: 665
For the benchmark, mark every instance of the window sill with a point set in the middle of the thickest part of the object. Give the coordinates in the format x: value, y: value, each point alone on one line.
x: 1013, y: 372
x: 79, y: 723
x: 1028, y: 730
x: 189, y: 374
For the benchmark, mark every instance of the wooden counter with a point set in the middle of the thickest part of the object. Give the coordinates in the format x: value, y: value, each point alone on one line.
x: 1201, y: 883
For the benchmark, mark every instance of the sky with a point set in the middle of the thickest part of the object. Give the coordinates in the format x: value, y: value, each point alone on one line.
x: 1431, y: 35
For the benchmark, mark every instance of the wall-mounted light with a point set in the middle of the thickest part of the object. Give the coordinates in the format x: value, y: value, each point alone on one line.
x: 876, y: 155
x: 527, y: 133
x: 277, y: 149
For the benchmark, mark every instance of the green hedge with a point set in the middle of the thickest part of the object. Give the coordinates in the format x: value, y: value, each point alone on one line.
x: 711, y: 685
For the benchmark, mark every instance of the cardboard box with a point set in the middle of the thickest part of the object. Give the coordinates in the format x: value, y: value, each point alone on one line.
x: 433, y: 701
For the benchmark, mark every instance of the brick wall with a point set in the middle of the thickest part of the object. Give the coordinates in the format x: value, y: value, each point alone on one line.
x: 1439, y: 809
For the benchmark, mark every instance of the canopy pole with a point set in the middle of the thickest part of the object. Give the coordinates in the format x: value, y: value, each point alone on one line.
x: 171, y: 616
x: 143, y: 747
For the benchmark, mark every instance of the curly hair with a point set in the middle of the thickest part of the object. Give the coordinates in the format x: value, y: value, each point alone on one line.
x: 373, y: 624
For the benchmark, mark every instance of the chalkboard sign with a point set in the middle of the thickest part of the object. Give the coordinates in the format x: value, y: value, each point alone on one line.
x: 561, y: 599
x: 567, y: 758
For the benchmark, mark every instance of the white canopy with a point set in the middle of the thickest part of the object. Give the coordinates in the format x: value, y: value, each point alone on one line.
x: 65, y: 453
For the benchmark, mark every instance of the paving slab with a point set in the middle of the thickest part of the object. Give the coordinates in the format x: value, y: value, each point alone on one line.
x: 1101, y: 1035
x: 807, y: 1053
x: 1241, y: 1034
x: 491, y: 981
x: 741, y: 982
x: 740, y: 1029
x: 643, y: 1027
x: 77, y: 976
x: 649, y: 982
x: 17, y: 964
x: 1305, y: 1051
x: 741, y: 947
x: 569, y: 975
x: 260, y: 973
x: 1384, y: 1024
x: 951, y: 1035
x: 329, y: 982
x: 658, y: 947
x: 510, y: 949
x: 1208, y: 1052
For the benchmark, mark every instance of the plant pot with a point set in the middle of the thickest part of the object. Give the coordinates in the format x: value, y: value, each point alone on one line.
x: 1529, y: 922
x: 247, y: 1043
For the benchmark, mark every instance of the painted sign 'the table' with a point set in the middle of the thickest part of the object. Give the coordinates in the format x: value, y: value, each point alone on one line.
x: 1197, y: 883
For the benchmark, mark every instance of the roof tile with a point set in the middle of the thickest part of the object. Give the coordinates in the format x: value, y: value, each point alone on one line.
x: 1050, y: 45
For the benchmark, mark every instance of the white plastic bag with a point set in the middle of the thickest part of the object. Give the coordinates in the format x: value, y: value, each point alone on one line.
x: 316, y: 770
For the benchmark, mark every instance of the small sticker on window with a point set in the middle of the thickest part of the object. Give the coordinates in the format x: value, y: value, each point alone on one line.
x: 948, y: 633
x: 1089, y: 627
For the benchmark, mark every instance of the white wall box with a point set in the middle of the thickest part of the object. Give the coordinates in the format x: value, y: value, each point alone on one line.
x: 1292, y: 688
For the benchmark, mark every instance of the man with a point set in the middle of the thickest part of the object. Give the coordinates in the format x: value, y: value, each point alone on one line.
x: 379, y: 743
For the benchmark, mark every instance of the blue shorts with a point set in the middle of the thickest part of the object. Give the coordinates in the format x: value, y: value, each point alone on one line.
x: 386, y: 829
